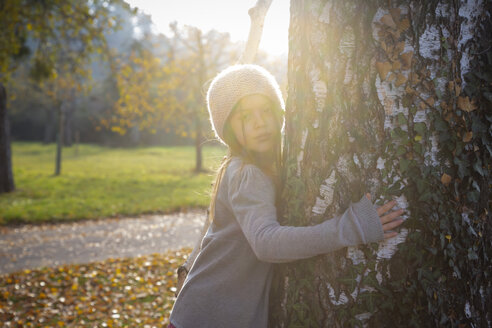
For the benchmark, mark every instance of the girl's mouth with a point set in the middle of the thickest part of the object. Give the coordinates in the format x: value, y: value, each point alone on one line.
x: 264, y: 137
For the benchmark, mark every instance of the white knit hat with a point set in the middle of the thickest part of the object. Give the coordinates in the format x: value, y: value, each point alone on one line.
x: 234, y: 83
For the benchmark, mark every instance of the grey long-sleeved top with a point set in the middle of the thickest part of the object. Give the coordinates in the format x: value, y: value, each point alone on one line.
x: 229, y: 283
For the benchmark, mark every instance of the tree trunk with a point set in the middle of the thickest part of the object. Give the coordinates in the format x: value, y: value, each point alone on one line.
x: 386, y: 100
x: 6, y: 176
x: 67, y: 135
x: 49, y: 127
x: 200, y: 112
x: 198, y: 144
x: 134, y: 135
x: 59, y: 139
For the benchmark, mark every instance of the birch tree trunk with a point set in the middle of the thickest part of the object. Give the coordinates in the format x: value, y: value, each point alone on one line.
x: 391, y: 98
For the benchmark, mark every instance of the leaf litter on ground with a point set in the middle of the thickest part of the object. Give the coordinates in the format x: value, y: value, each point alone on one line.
x: 126, y: 292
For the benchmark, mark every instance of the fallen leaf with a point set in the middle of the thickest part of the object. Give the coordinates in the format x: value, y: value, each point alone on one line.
x: 445, y: 179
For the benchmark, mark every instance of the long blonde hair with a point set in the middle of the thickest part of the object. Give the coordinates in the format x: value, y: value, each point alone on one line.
x: 235, y: 149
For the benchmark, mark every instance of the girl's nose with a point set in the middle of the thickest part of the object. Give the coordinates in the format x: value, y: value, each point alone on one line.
x: 260, y: 119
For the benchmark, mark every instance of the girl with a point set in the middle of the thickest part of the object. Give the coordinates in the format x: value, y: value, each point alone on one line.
x: 229, y: 282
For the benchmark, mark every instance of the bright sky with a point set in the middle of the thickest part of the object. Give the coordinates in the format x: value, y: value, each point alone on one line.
x: 222, y: 15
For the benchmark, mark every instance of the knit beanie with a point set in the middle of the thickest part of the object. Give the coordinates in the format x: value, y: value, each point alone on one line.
x: 234, y: 83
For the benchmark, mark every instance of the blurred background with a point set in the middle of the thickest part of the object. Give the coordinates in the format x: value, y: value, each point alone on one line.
x: 107, y: 94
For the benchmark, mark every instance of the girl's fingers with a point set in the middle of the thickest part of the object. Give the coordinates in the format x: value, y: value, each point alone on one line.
x: 389, y: 217
x: 388, y: 221
x: 386, y: 207
x: 390, y: 234
x: 392, y: 225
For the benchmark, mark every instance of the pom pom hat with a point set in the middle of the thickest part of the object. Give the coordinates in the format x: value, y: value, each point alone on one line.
x: 234, y: 83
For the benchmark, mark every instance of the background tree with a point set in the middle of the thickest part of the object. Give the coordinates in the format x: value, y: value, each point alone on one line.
x: 145, y: 86
x: 205, y: 54
x: 393, y: 99
x: 6, y: 177
x: 48, y: 29
x: 162, y: 87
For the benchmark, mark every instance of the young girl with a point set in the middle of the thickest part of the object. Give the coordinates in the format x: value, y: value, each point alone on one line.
x: 229, y: 282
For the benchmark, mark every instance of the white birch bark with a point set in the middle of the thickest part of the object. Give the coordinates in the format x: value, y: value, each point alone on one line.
x: 325, y: 59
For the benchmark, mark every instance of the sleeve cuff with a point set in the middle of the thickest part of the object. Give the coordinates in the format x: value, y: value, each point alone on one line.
x: 369, y: 220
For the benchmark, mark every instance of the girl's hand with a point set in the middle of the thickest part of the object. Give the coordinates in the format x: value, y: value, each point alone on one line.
x: 388, y: 221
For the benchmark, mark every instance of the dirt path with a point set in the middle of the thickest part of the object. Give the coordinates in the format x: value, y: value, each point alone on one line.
x: 34, y: 246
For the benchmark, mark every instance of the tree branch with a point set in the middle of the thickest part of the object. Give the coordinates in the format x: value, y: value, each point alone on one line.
x: 257, y: 15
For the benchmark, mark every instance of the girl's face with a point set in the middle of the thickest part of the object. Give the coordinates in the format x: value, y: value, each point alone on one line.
x: 253, y: 123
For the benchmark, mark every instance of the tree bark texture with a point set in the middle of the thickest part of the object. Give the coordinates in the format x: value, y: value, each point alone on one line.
x: 382, y: 99
x: 6, y: 176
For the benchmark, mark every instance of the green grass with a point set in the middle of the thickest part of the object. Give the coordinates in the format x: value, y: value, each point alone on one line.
x: 105, y: 182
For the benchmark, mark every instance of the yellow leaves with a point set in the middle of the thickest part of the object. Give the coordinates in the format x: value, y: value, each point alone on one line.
x: 409, y: 90
x: 406, y: 59
x: 400, y: 79
x: 388, y: 21
x: 119, y: 130
x: 383, y: 69
x: 454, y: 87
x: 404, y: 24
x: 418, y: 138
x: 445, y: 179
x: 467, y: 136
x: 399, y: 47
x: 95, y: 298
x: 29, y: 26
x: 466, y: 105
x: 448, y: 237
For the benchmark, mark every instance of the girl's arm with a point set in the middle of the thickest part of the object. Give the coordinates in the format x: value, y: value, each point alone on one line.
x: 252, y: 198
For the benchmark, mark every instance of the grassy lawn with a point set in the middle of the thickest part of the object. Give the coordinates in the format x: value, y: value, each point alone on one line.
x: 100, y: 182
x: 132, y: 292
